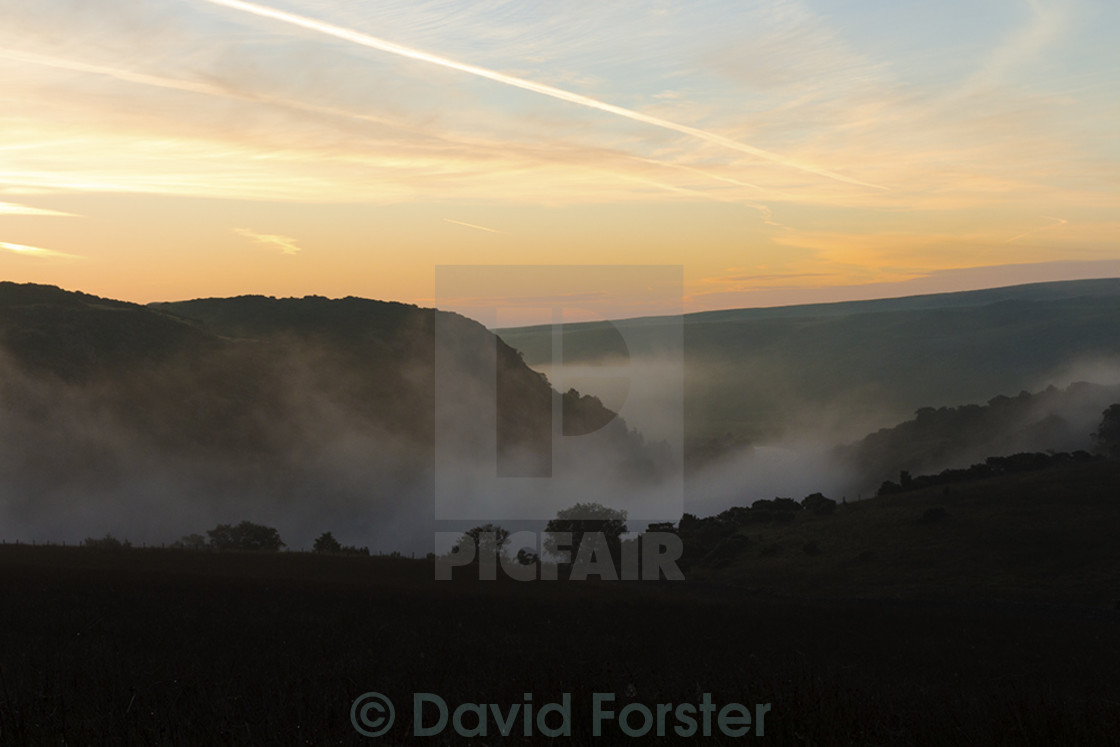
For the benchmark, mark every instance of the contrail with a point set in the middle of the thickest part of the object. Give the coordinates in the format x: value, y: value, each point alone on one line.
x: 471, y: 225
x: 1056, y: 224
x: 557, y: 93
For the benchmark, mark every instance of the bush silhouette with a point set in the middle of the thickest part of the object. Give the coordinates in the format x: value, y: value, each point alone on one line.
x: 818, y: 504
x: 108, y: 542
x: 1108, y: 434
x: 584, y: 518
x: 245, y: 536
x: 326, y: 542
x: 488, y: 539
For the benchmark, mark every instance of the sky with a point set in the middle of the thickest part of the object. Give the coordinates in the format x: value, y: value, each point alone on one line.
x: 775, y: 151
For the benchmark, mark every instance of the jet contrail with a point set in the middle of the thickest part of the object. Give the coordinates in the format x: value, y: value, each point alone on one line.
x: 471, y: 225
x: 1056, y: 224
x: 372, y: 42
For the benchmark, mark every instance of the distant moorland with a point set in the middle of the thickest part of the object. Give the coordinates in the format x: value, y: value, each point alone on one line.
x: 842, y: 370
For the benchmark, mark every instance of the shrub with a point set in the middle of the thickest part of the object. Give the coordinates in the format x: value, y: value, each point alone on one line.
x: 108, y: 542
x: 245, y: 536
x: 818, y: 504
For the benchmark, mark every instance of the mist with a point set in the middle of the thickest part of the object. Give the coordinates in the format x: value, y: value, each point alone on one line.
x: 82, y: 461
x: 305, y: 436
x: 363, y: 419
x: 847, y: 445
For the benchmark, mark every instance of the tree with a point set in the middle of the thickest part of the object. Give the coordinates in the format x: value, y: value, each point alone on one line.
x: 488, y: 539
x: 1108, y: 434
x: 327, y: 543
x: 245, y: 536
x: 582, y: 519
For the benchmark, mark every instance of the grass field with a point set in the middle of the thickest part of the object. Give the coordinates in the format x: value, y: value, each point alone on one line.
x: 149, y: 646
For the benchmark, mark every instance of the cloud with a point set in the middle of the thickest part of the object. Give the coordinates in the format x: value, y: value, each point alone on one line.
x: 189, y: 99
x: 371, y: 42
x: 772, y: 276
x: 724, y: 295
x: 1047, y: 23
x: 34, y: 251
x: 11, y: 208
x: 191, y: 86
x: 286, y: 244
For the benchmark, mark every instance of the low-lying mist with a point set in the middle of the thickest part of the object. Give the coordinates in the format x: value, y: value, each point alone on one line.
x: 847, y: 445
x: 306, y: 425
x: 311, y: 415
x: 84, y: 460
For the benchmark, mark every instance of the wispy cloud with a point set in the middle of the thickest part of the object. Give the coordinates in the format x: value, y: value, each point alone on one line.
x: 371, y: 42
x: 314, y: 121
x: 286, y: 244
x: 34, y: 251
x: 772, y: 276
x: 11, y: 208
x: 192, y: 86
x: 1046, y: 23
x: 980, y: 129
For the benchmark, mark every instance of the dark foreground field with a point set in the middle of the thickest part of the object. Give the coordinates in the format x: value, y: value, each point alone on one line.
x: 169, y: 647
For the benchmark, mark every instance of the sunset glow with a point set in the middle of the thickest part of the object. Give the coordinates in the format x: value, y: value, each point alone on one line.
x: 781, y: 151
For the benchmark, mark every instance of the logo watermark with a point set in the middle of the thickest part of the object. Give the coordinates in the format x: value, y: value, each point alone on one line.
x: 651, y: 557
x: 432, y: 716
x: 511, y: 449
x: 372, y: 714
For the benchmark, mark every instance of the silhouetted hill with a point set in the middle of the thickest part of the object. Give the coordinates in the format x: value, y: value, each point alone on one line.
x: 352, y: 321
x: 313, y: 413
x: 955, y: 437
x: 1046, y: 534
x: 842, y: 369
x: 75, y: 335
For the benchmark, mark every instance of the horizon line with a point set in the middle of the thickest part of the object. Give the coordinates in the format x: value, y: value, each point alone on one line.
x: 773, y: 307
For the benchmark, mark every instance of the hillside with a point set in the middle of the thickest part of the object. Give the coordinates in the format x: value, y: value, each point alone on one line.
x: 955, y: 437
x: 311, y: 413
x: 74, y: 336
x: 1046, y: 534
x: 838, y: 371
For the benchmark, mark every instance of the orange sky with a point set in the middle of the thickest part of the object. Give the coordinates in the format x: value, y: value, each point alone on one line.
x: 779, y: 152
